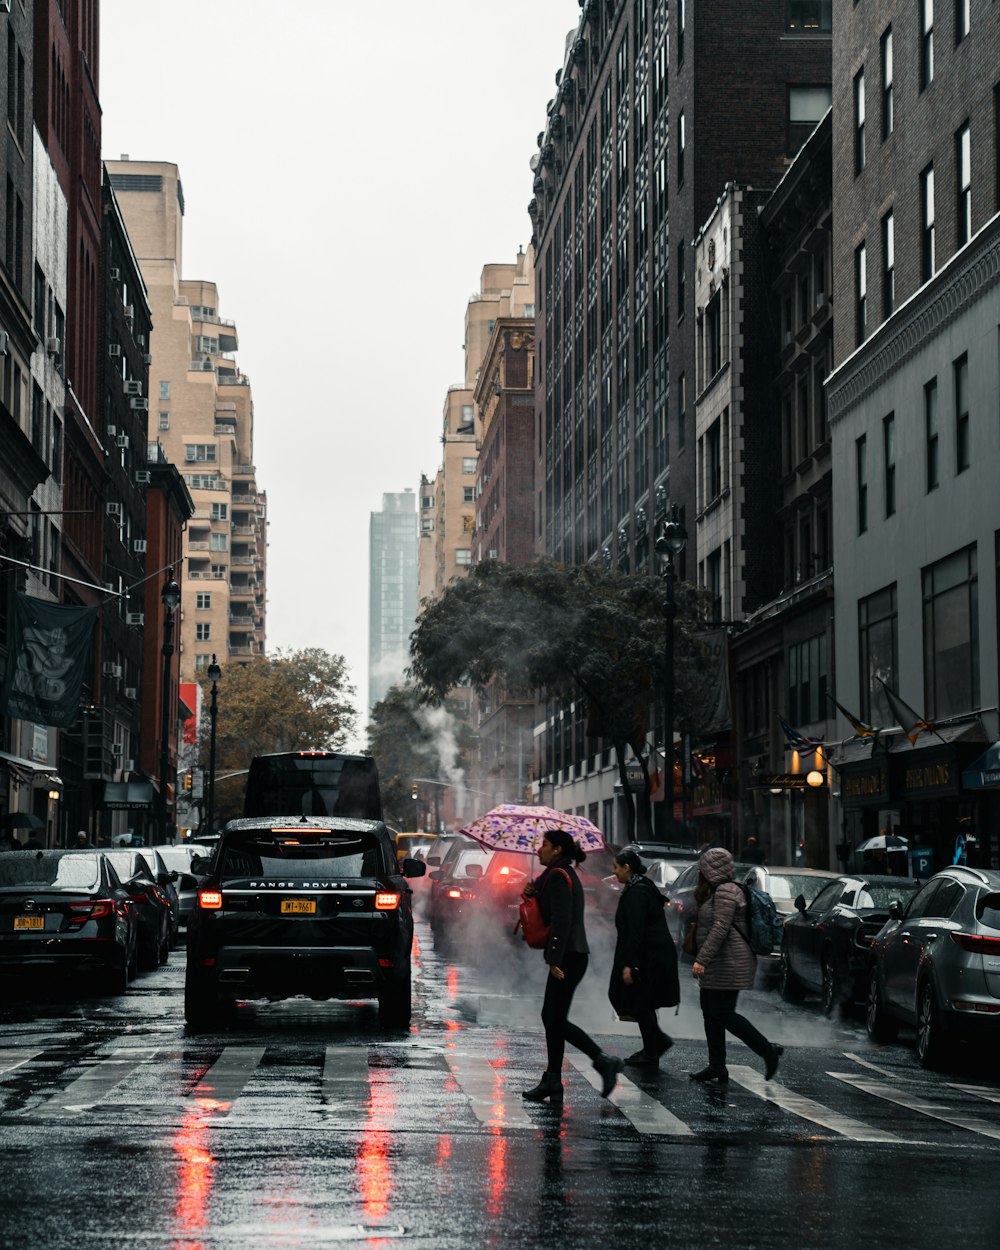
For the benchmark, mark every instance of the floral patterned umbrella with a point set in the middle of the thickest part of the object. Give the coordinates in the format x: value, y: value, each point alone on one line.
x: 519, y: 827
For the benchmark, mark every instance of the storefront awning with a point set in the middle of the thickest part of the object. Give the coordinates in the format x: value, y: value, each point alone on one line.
x: 984, y: 773
x: 28, y: 768
x: 122, y: 796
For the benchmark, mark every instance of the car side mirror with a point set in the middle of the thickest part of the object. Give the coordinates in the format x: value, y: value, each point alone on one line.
x: 895, y: 909
x: 434, y: 861
x: 436, y: 875
x: 474, y: 870
x: 414, y: 868
x: 800, y: 902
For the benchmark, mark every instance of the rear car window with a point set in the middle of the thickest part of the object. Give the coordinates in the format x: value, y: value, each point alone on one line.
x: 128, y: 865
x: 883, y: 895
x: 61, y: 872
x: 988, y: 910
x: 789, y: 887
x: 460, y: 868
x: 356, y: 855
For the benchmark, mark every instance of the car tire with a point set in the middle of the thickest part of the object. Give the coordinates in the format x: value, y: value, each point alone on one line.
x: 880, y: 1025
x: 395, y: 1006
x: 112, y: 982
x: 133, y: 963
x: 933, y: 1047
x: 789, y: 986
x: 165, y: 949
x: 203, y: 1009
x: 832, y: 992
x: 149, y: 956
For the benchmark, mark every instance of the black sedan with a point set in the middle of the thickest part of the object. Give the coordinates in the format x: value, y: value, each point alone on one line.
x: 827, y: 943
x: 66, y: 911
x: 153, y: 904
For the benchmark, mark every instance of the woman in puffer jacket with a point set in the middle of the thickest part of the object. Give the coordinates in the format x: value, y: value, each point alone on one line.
x: 724, y: 965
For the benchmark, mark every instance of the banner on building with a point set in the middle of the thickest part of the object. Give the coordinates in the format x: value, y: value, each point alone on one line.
x: 47, y: 660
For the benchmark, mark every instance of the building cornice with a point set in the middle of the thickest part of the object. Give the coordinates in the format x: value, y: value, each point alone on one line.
x: 964, y: 281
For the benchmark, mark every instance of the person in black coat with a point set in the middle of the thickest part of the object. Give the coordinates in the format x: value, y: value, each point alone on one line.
x: 560, y: 897
x: 644, y: 974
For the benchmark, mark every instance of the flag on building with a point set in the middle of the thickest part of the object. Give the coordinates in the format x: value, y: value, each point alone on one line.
x: 46, y: 660
x: 860, y: 728
x: 795, y: 741
x: 909, y: 721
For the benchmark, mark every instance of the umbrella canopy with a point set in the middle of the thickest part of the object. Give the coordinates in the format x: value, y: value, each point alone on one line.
x: 883, y: 842
x: 21, y: 820
x: 519, y: 827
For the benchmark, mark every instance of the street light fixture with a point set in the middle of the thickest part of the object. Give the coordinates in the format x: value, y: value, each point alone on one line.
x: 171, y: 597
x: 214, y: 673
x: 671, y: 538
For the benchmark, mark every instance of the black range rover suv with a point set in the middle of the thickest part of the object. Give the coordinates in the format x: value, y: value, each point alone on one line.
x: 315, y: 905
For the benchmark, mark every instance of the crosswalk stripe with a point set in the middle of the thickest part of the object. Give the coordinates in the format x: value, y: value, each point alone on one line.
x: 912, y: 1102
x: 493, y: 1103
x: 11, y: 1059
x: 808, y: 1109
x: 344, y: 1069
x: 646, y: 1114
x: 96, y: 1082
x: 978, y: 1091
x: 223, y: 1083
x: 865, y: 1064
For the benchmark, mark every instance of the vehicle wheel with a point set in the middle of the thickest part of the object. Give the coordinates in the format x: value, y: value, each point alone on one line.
x: 133, y: 963
x: 394, y: 1004
x: 880, y: 1025
x: 165, y: 949
x: 932, y: 1043
x: 149, y: 956
x: 202, y: 1007
x: 111, y: 982
x: 833, y: 996
x: 788, y: 983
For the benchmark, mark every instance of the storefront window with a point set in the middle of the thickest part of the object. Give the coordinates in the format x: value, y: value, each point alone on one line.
x: 951, y: 634
x: 878, y: 655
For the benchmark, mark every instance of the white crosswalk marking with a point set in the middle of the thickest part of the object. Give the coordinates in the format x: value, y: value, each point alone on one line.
x: 913, y: 1102
x: 11, y: 1059
x: 223, y: 1083
x: 978, y: 1091
x: 865, y: 1064
x: 345, y: 1068
x: 492, y: 1101
x: 805, y: 1107
x: 98, y: 1080
x: 645, y: 1113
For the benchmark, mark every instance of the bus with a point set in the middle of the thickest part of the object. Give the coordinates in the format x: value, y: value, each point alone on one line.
x: 313, y: 783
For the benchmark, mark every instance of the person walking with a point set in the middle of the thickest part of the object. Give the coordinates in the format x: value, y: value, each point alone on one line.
x: 560, y: 897
x: 725, y: 964
x: 644, y: 972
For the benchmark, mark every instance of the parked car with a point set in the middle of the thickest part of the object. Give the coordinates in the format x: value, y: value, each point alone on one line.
x: 453, y: 887
x: 152, y: 902
x: 66, y: 911
x: 166, y: 878
x: 180, y: 860
x: 662, y: 872
x: 316, y: 906
x: 784, y: 885
x: 935, y: 965
x: 827, y: 941
x: 649, y: 851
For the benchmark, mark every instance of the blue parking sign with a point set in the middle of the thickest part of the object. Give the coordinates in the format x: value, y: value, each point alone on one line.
x: 920, y: 858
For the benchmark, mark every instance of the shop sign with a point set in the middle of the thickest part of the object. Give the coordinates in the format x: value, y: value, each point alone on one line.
x: 636, y: 781
x: 865, y: 786
x: 930, y: 778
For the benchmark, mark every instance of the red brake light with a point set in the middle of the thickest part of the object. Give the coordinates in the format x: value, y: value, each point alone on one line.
x: 451, y: 894
x: 977, y: 944
x: 504, y: 872
x: 386, y: 902
x: 90, y: 911
x: 210, y: 900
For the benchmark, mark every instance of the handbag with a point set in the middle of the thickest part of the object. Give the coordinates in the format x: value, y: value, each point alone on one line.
x: 689, y: 946
x: 531, y: 922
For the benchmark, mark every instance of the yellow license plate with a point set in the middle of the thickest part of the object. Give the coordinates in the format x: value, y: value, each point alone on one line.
x: 298, y: 907
x: 29, y: 922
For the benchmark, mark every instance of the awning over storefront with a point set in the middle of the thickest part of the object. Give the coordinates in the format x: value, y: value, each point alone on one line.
x: 122, y: 796
x: 26, y: 769
x: 984, y: 773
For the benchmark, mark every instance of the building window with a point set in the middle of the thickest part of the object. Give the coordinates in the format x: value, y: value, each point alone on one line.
x: 878, y: 653
x: 218, y: 542
x: 960, y: 370
x: 469, y: 464
x: 681, y: 409
x: 463, y: 555
x: 164, y: 420
x: 199, y: 451
x: 927, y: 249
x: 926, y: 42
x: 962, y: 19
x: 951, y: 634
x: 861, y: 478
x: 220, y: 512
x: 889, y: 462
x: 164, y: 390
x: 859, y: 120
x: 860, y: 293
x: 806, y: 106
x: 203, y: 600
x: 681, y: 27
x: 807, y: 681
x: 963, y: 184
x: 713, y: 336
x: 203, y: 631
x: 681, y: 147
x: 888, y: 105
x: 931, y: 434
x: 201, y: 661
x: 681, y: 279
x: 468, y: 494
x: 808, y: 15
x: 713, y: 583
x: 888, y: 265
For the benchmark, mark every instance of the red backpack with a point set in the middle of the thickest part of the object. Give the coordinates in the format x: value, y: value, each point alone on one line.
x: 533, y: 928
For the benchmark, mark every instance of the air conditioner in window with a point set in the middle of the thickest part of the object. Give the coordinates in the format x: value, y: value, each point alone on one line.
x: 117, y: 748
x: 135, y: 618
x: 122, y: 440
x: 128, y: 766
x: 133, y: 388
x: 53, y: 347
x: 140, y: 340
x: 139, y: 405
x: 115, y: 275
x: 112, y: 431
x: 4, y: 343
x: 114, y: 349
x: 139, y: 546
x: 111, y: 670
x: 130, y: 692
x: 143, y: 479
x: 129, y: 312
x: 113, y: 509
x: 147, y: 359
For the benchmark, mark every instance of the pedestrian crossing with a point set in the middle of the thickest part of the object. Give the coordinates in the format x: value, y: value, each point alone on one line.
x: 425, y: 1084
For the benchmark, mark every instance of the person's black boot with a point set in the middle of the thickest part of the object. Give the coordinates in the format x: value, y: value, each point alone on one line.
x: 549, y: 1087
x: 772, y: 1060
x: 609, y: 1067
x: 711, y: 1074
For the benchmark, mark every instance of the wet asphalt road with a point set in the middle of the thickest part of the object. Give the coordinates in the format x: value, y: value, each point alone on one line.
x: 306, y: 1125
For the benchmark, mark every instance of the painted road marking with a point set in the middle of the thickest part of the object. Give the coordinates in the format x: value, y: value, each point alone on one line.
x: 223, y: 1083
x: 345, y: 1074
x: 493, y: 1102
x: 100, y: 1079
x: 912, y: 1102
x: 11, y: 1059
x: 799, y: 1105
x: 645, y: 1113
x: 978, y: 1091
x: 865, y: 1064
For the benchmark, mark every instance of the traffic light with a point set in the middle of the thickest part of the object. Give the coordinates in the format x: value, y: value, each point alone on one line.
x: 188, y: 781
x: 414, y: 792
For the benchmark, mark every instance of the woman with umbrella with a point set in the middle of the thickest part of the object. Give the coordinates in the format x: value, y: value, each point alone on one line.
x: 644, y: 974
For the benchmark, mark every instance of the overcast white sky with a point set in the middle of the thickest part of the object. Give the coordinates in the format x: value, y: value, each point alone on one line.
x: 349, y: 166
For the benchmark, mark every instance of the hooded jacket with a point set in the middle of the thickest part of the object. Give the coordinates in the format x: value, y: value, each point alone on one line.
x: 720, y: 941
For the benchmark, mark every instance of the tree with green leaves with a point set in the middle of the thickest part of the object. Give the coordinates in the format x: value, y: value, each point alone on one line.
x: 586, y: 633
x: 288, y: 701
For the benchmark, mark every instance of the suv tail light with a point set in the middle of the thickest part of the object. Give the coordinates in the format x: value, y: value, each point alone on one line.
x: 977, y: 944
x: 386, y: 902
x: 79, y: 912
x: 210, y: 900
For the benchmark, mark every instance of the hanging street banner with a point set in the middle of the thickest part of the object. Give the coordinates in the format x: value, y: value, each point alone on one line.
x: 47, y: 661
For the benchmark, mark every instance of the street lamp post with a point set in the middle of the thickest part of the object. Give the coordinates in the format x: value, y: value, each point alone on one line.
x: 171, y: 597
x: 214, y: 673
x: 670, y: 541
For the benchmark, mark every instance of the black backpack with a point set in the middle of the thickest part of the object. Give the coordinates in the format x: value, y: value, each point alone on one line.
x: 763, y: 921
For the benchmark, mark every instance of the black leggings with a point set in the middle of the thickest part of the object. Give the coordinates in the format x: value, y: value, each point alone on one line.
x: 555, y: 1013
x: 719, y: 1010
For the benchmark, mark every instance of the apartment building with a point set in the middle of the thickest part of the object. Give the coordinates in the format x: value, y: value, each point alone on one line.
x: 392, y: 591
x: 912, y: 407
x: 201, y: 413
